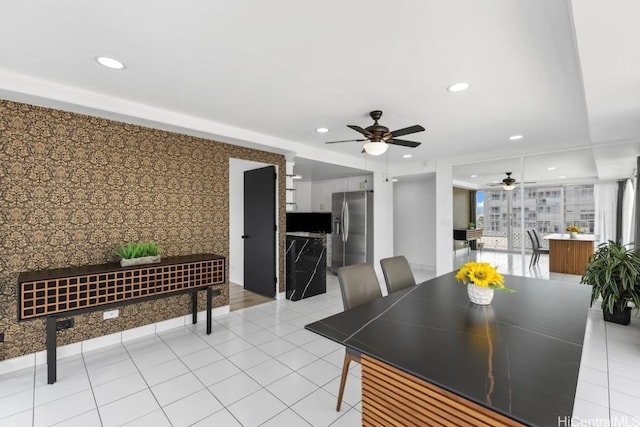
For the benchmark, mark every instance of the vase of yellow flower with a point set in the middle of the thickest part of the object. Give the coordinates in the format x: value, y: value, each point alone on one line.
x: 481, y: 279
x: 573, y: 231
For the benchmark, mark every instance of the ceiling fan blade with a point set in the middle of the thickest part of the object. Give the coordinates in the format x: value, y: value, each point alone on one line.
x: 346, y: 140
x: 404, y: 143
x: 407, y: 131
x: 361, y: 130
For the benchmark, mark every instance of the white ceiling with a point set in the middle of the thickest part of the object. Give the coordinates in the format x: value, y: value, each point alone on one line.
x: 563, y: 74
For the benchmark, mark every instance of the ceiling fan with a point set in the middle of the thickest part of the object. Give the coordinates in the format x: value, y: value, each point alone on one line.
x: 508, y: 183
x: 379, y: 136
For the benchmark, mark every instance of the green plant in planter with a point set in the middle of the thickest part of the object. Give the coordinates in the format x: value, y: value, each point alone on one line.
x: 613, y: 272
x: 138, y: 250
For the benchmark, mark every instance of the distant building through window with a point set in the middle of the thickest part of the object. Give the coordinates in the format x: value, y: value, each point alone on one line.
x: 546, y: 209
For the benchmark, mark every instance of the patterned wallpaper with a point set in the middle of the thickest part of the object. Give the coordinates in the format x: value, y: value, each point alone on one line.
x: 74, y: 187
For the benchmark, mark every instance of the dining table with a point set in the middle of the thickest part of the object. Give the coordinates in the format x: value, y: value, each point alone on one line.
x: 431, y: 357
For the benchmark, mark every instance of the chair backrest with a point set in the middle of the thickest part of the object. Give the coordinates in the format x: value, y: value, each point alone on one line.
x: 397, y: 273
x: 534, y: 242
x: 358, y: 284
x: 537, y: 237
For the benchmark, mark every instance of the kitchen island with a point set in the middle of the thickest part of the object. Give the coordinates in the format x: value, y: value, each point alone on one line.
x: 430, y: 357
x: 569, y: 255
x: 306, y: 260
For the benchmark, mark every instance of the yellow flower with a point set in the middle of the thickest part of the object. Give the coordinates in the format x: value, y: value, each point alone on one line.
x: 481, y: 274
x: 573, y: 229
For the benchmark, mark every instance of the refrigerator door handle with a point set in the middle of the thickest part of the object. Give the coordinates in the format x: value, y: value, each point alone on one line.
x: 345, y: 227
x: 342, y: 222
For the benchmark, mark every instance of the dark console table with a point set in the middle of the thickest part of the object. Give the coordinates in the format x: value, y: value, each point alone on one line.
x: 76, y: 290
x: 430, y: 357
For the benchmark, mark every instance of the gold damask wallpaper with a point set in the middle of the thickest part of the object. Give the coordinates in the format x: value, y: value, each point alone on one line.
x: 74, y: 187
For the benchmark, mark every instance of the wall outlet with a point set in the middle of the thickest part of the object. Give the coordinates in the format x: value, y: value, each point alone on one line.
x: 111, y: 314
x: 321, y: 206
x: 64, y: 324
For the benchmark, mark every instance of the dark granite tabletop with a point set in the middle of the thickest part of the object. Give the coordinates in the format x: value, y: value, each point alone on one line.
x: 519, y: 356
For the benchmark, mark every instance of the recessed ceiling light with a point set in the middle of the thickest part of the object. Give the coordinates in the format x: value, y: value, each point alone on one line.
x: 406, y: 156
x: 394, y: 179
x: 551, y: 168
x: 322, y: 130
x: 562, y: 177
x: 474, y: 176
x: 296, y: 177
x: 110, y: 62
x: 515, y: 137
x: 458, y: 87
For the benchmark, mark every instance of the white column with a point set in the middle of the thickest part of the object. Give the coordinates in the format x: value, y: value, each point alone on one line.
x: 382, y: 221
x: 444, y: 216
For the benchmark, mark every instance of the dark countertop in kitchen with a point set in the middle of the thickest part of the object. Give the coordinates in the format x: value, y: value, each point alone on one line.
x: 519, y: 356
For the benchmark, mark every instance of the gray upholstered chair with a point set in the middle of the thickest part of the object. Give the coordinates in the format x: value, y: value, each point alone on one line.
x: 358, y: 285
x: 397, y: 273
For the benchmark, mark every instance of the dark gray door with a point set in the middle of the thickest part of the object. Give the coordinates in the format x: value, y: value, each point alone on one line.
x: 260, y: 231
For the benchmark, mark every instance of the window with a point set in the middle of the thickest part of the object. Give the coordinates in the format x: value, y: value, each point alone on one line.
x: 547, y: 209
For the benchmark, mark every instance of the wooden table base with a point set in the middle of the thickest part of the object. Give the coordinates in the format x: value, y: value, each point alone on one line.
x: 391, y: 397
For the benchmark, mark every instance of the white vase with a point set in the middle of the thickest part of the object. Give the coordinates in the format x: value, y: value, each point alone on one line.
x: 573, y: 235
x: 479, y: 295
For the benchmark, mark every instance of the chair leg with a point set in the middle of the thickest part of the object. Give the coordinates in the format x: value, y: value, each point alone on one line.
x: 343, y: 379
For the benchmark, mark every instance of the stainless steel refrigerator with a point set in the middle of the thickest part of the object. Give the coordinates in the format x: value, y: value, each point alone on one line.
x: 352, y: 228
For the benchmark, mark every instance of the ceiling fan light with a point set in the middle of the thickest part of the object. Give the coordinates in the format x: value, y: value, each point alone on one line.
x: 375, y: 148
x: 508, y: 187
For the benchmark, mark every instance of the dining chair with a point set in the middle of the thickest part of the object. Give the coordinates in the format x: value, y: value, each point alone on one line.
x: 537, y: 236
x: 535, y: 246
x: 397, y: 273
x: 358, y: 285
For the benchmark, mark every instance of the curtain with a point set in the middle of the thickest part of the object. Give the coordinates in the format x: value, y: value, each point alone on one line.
x: 605, y: 198
x: 628, y: 211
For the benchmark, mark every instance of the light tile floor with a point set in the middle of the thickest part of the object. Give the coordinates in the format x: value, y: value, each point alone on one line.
x: 261, y: 368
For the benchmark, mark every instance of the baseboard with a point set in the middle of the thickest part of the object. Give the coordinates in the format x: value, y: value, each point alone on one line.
x: 40, y: 357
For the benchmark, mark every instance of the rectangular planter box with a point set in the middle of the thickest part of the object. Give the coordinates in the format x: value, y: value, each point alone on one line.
x: 620, y: 317
x: 127, y: 262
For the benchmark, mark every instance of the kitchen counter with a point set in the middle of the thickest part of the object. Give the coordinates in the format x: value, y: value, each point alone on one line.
x: 570, y: 255
x: 518, y: 357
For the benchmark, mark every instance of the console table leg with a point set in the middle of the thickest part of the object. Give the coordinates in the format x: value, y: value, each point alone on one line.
x: 51, y: 350
x: 194, y: 307
x: 209, y: 296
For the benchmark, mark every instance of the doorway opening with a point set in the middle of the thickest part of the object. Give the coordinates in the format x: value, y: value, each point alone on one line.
x: 239, y: 295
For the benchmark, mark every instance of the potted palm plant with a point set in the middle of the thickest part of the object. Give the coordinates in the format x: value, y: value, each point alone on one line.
x: 613, y: 272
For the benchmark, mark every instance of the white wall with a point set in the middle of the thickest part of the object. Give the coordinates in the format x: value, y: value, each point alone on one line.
x: 414, y: 220
x: 237, y: 167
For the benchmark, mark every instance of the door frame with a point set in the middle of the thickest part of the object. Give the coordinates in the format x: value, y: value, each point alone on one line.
x: 237, y: 167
